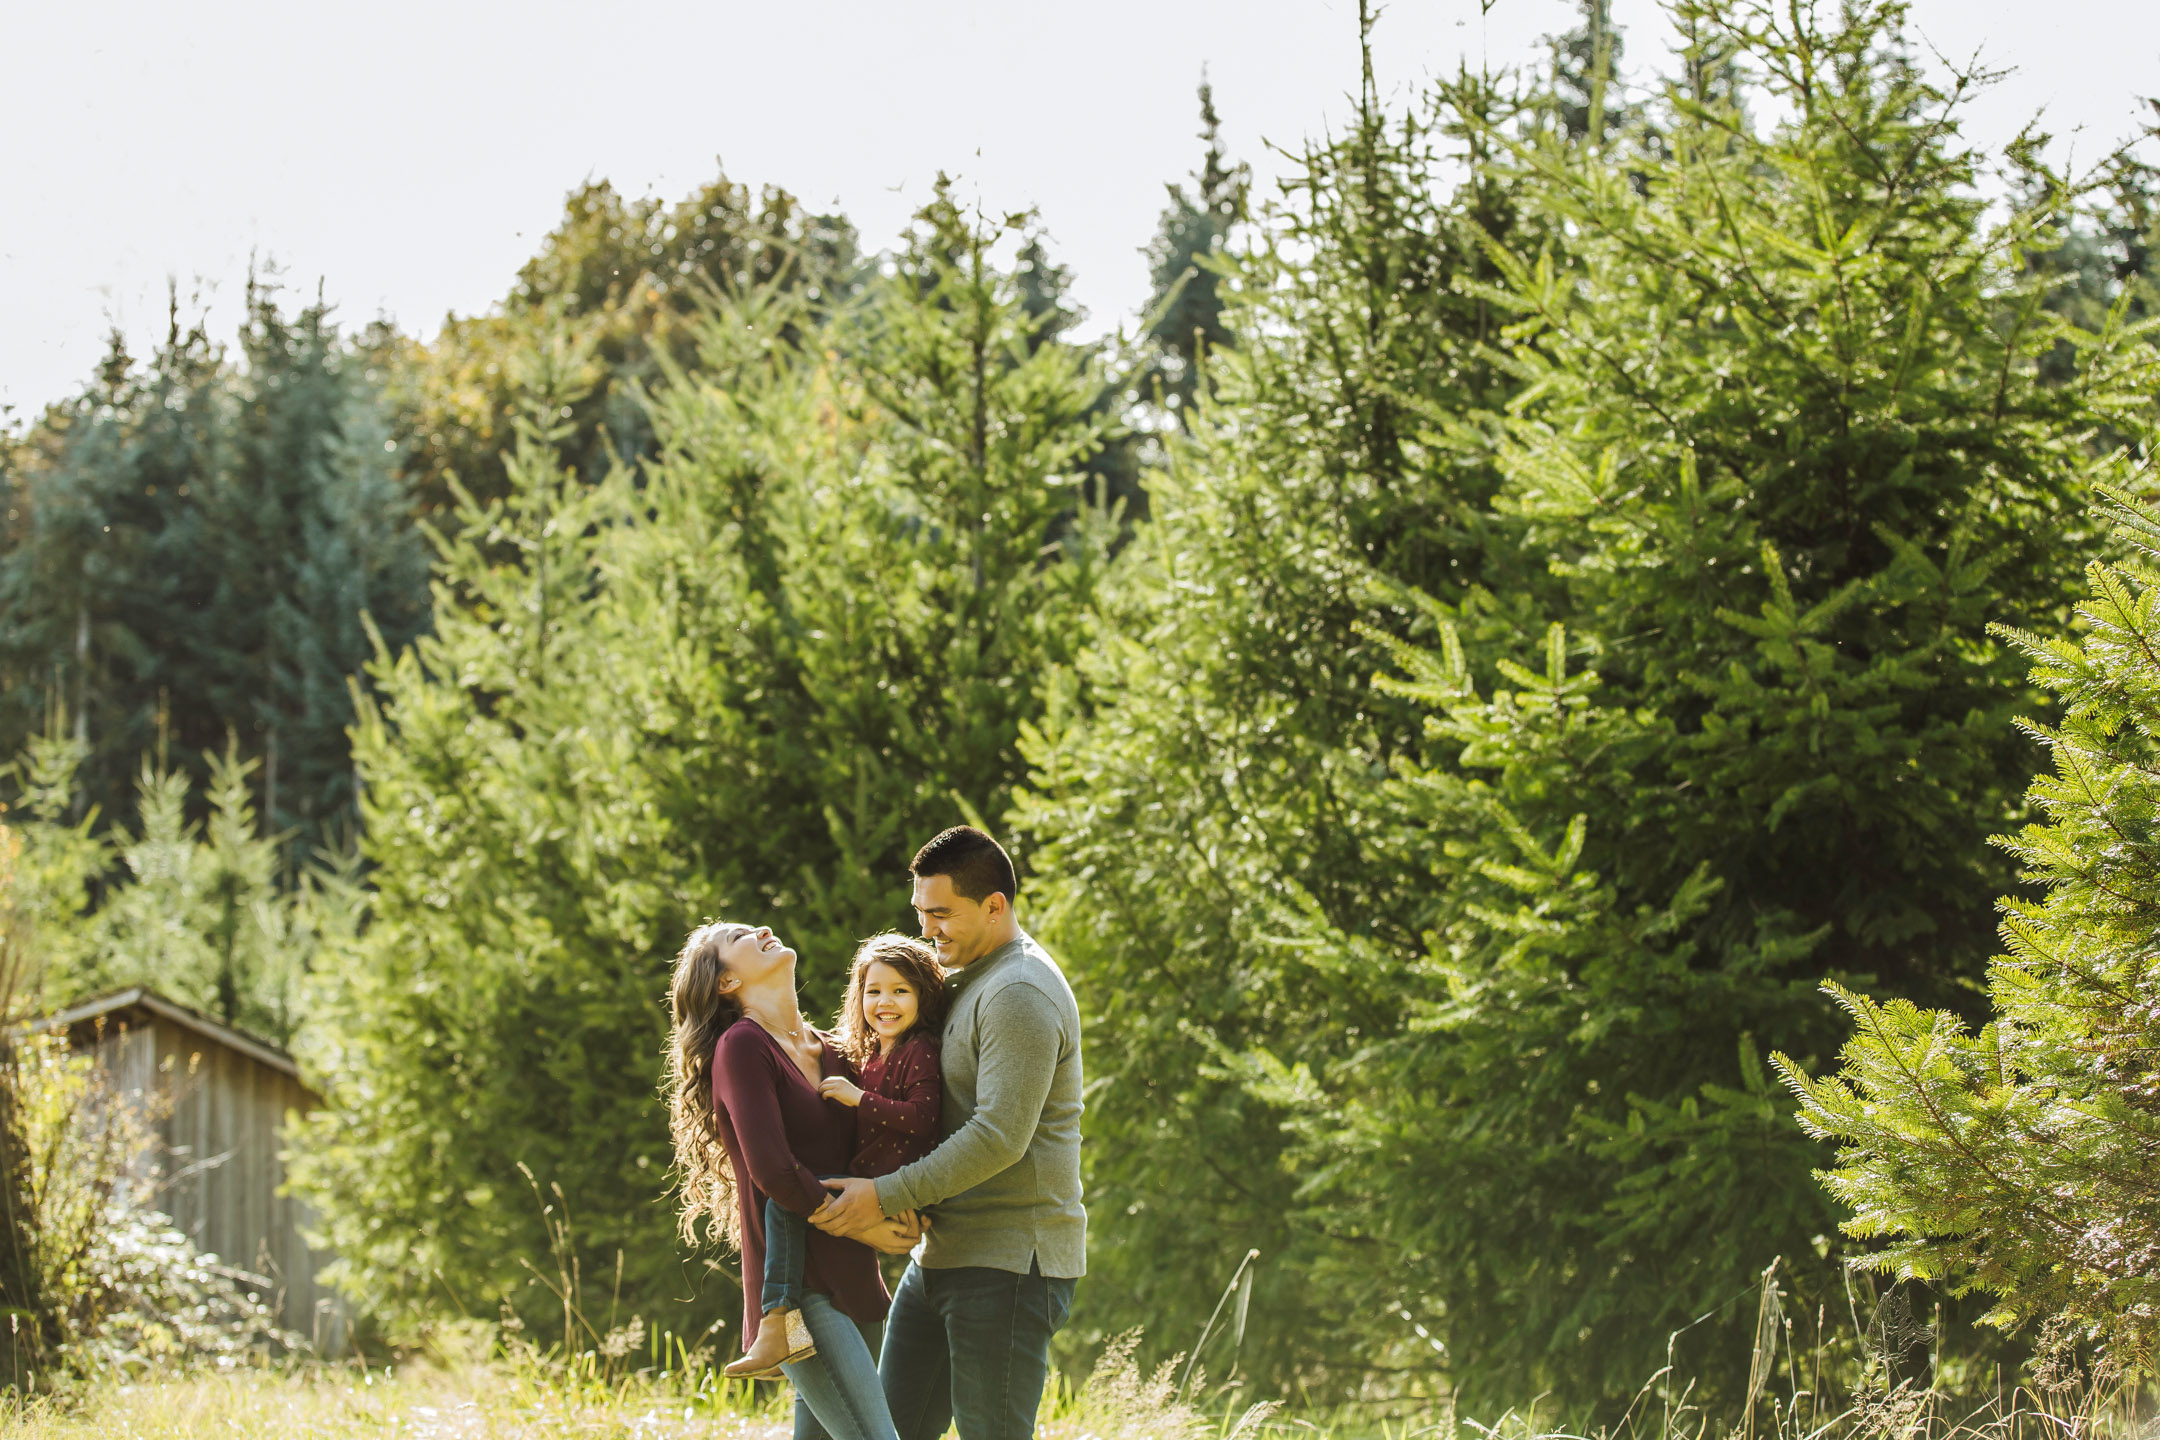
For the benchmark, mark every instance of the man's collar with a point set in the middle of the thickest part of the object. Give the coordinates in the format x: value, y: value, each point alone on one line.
x: 966, y: 973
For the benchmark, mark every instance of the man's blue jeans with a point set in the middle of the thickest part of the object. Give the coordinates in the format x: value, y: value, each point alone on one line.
x: 970, y: 1346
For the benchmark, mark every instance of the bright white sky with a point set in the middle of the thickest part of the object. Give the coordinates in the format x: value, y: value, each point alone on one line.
x: 408, y: 156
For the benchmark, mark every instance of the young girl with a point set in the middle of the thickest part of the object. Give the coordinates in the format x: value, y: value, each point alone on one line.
x: 887, y: 1028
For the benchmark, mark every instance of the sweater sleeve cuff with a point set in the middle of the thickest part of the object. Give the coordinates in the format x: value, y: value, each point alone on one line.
x: 893, y: 1195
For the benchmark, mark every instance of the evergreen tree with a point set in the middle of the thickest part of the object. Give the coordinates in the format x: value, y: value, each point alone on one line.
x: 195, y: 548
x: 744, y: 680
x: 1219, y: 740
x: 1584, y: 71
x: 1778, y: 547
x: 103, y: 570
x: 2017, y: 1159
x: 1185, y: 306
x: 2107, y: 254
x: 308, y: 541
x: 205, y: 914
x: 1747, y: 442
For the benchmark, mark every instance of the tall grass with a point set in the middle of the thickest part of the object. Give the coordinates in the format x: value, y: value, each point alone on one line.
x: 1846, y: 1388
x: 521, y: 1394
x: 666, y: 1390
x: 500, y: 1401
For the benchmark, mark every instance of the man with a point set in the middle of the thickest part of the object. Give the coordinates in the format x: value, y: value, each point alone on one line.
x: 968, y: 1339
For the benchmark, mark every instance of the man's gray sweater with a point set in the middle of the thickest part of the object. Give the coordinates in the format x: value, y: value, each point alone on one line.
x: 1005, y: 1182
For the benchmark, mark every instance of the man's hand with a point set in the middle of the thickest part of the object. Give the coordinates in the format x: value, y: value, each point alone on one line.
x: 851, y: 1210
x: 897, y: 1235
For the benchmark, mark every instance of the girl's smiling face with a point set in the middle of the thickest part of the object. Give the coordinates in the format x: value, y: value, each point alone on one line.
x: 889, y: 1003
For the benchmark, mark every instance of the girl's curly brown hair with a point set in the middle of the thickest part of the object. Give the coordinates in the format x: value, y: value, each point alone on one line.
x: 918, y: 963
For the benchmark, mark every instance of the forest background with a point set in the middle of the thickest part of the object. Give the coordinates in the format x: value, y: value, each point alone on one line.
x: 1511, y: 626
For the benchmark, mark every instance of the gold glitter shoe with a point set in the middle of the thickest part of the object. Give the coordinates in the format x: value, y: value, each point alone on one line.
x: 783, y: 1338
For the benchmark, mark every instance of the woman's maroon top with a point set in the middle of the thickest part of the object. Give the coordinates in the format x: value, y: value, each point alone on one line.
x: 903, y: 1094
x: 780, y: 1135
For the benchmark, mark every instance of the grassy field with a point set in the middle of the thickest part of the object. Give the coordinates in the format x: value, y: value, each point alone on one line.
x: 414, y: 1402
x: 536, y: 1400
x: 525, y: 1397
x: 497, y: 1401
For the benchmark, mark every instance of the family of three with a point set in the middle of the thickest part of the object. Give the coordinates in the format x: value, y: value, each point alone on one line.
x: 941, y: 1115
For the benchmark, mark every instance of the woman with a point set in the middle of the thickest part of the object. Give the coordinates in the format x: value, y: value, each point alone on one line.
x: 749, y: 1126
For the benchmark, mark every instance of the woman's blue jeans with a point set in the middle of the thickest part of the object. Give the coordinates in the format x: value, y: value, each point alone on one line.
x: 837, y: 1392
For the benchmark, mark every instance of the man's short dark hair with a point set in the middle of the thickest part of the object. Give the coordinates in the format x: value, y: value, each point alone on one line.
x: 977, y: 865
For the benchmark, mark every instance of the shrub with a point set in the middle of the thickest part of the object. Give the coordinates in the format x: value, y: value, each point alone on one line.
x: 2018, y: 1160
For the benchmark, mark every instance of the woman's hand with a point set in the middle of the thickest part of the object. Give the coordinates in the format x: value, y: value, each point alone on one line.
x: 838, y: 1087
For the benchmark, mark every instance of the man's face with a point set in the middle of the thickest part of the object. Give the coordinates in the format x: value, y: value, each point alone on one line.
x: 957, y: 926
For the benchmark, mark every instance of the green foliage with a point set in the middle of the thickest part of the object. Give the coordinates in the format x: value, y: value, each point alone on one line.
x: 205, y: 913
x: 1667, y: 456
x: 2109, y: 256
x: 104, y: 514
x: 196, y: 548
x: 2017, y: 1159
x: 1745, y: 430
x: 56, y: 862
x: 626, y: 279
x: 745, y: 679
x: 1786, y: 447
x: 1185, y: 305
x: 1585, y: 63
x: 1216, y: 749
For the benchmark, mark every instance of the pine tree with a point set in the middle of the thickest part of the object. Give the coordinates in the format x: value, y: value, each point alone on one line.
x: 1716, y: 478
x: 196, y: 546
x: 308, y: 540
x: 2017, y: 1159
x: 103, y: 566
x: 1766, y: 739
x: 1584, y: 76
x: 1185, y: 306
x: 209, y: 914
x: 1217, y: 743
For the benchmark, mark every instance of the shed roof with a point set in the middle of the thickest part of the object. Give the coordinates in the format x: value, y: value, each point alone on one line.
x: 141, y: 998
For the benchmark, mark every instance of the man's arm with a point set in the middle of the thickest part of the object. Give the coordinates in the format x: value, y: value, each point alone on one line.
x: 1014, y: 1070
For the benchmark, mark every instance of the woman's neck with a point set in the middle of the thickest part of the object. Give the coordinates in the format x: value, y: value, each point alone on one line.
x: 772, y: 1004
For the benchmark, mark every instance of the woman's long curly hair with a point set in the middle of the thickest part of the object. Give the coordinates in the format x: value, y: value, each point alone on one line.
x: 916, y: 961
x: 700, y: 1014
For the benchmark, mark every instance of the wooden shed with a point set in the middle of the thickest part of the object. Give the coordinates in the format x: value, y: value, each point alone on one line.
x: 219, y: 1101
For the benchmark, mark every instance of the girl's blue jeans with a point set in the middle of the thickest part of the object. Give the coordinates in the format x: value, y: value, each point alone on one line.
x: 837, y: 1392
x: 787, y: 1248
